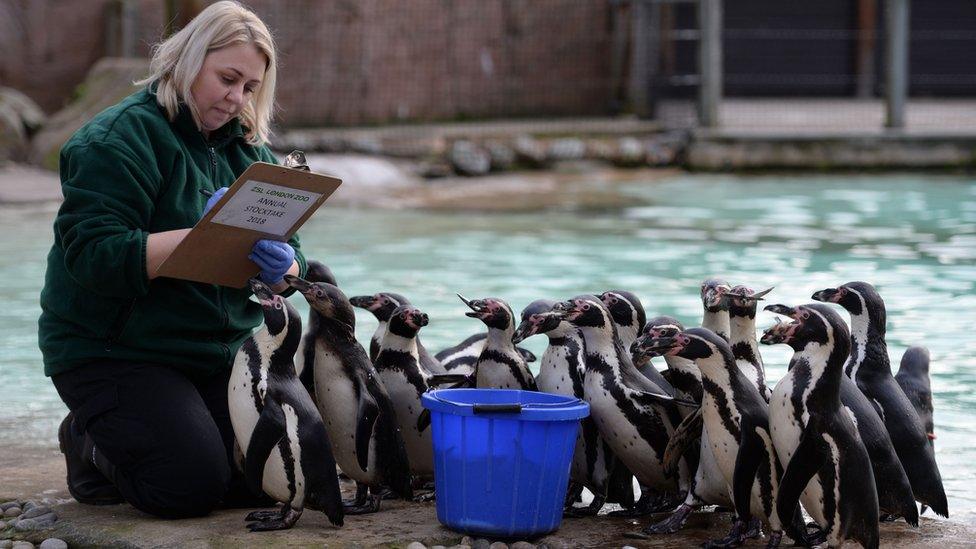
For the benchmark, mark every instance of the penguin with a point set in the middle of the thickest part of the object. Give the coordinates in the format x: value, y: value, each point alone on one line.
x: 286, y: 445
x: 460, y: 358
x: 628, y: 314
x: 828, y: 467
x: 736, y: 426
x: 633, y: 415
x: 715, y: 301
x: 316, y: 272
x: 742, y: 321
x: 561, y: 372
x: 398, y: 365
x: 382, y: 306
x: 869, y: 367
x: 913, y: 378
x: 709, y: 486
x: 354, y: 404
x: 500, y: 365
x: 895, y: 497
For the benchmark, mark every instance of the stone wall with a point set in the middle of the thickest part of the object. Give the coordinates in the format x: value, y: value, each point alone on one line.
x: 347, y: 62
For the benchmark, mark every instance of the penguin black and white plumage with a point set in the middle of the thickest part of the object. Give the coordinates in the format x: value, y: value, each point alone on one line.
x: 398, y: 365
x: 913, y: 378
x: 561, y: 372
x: 736, y: 426
x: 629, y: 316
x: 500, y: 365
x: 709, y: 486
x: 382, y: 306
x: 715, y: 301
x: 460, y: 358
x: 633, y: 415
x: 828, y: 467
x: 745, y: 347
x: 286, y: 445
x: 355, y: 406
x: 895, y: 498
x: 316, y: 272
x: 870, y: 369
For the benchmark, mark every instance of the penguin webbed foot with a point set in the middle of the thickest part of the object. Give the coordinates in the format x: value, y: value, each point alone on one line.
x: 370, y: 504
x: 573, y: 494
x: 737, y: 535
x: 424, y: 497
x: 814, y: 535
x: 673, y: 523
x: 774, y: 540
x: 278, y: 519
x: 649, y: 504
x: 590, y: 510
x: 887, y: 517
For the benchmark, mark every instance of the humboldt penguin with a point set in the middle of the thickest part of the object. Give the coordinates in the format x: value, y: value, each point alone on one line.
x: 736, y: 425
x: 828, y: 467
x: 633, y: 415
x: 500, y: 365
x: 356, y: 408
x: 286, y: 445
x: 628, y: 314
x: 316, y: 272
x: 715, y: 301
x: 561, y: 372
x: 709, y: 486
x: 382, y: 306
x: 913, y: 378
x: 895, y: 498
x: 870, y: 368
x: 398, y: 364
x: 460, y: 358
x: 742, y: 321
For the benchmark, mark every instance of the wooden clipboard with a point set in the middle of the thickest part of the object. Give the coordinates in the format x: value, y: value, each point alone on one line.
x: 215, y: 251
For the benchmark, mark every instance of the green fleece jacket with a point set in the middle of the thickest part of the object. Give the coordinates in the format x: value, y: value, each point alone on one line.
x: 125, y: 174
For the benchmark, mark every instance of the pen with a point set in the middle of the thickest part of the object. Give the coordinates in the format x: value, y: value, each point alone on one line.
x: 205, y: 192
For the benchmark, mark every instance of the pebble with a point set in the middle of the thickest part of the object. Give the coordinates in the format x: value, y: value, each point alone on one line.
x: 28, y: 506
x: 460, y: 546
x: 6, y: 544
x: 22, y: 545
x: 469, y: 159
x: 498, y: 545
x: 502, y: 156
x: 567, y: 149
x: 416, y: 545
x: 36, y: 512
x: 3, y: 525
x: 481, y: 544
x: 467, y: 540
x: 43, y: 521
x: 522, y: 545
x: 12, y: 512
x: 54, y: 543
x: 7, y: 505
x: 438, y: 547
x: 530, y: 152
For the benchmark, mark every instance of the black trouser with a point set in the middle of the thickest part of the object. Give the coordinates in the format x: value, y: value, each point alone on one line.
x: 167, y: 437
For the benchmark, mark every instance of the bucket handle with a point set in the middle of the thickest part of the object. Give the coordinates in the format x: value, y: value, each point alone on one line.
x: 503, y: 408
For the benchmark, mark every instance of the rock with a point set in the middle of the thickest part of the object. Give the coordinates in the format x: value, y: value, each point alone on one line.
x: 567, y: 149
x: 20, y: 117
x: 467, y: 540
x: 460, y: 546
x: 438, y: 547
x: 53, y: 543
x: 35, y: 511
x: 630, y: 153
x: 37, y: 523
x: 6, y: 544
x: 22, y: 545
x: 108, y: 81
x: 434, y: 170
x: 416, y: 545
x: 3, y: 525
x: 8, y: 505
x: 12, y: 512
x: 498, y: 545
x: 522, y: 545
x: 28, y: 506
x: 502, y: 156
x: 481, y: 544
x: 530, y: 152
x: 659, y: 154
x: 469, y: 159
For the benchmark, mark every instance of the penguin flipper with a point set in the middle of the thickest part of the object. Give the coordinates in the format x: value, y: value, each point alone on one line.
x: 391, y: 454
x: 423, y: 420
x: 366, y: 417
x: 527, y: 355
x: 268, y: 431
x: 747, y: 459
x: 682, y: 439
x: 805, y: 463
x: 620, y: 485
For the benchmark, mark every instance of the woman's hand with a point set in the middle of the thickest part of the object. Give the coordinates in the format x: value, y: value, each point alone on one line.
x: 213, y: 200
x: 274, y: 258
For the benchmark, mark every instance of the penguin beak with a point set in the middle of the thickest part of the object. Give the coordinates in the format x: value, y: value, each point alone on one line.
x: 261, y: 291
x: 654, y: 346
x: 525, y: 329
x: 781, y: 332
x: 827, y: 295
x: 780, y: 309
x: 756, y: 296
x: 299, y: 284
x: 417, y: 319
x: 715, y: 295
x: 478, y: 307
x: 363, y: 301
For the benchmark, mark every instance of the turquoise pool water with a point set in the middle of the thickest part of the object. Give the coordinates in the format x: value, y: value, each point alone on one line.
x: 914, y: 237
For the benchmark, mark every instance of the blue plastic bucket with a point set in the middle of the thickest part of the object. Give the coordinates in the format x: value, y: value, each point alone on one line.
x: 502, y: 458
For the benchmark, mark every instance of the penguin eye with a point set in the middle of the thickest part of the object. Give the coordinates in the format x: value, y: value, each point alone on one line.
x: 319, y: 292
x: 586, y: 307
x: 277, y: 305
x: 804, y: 315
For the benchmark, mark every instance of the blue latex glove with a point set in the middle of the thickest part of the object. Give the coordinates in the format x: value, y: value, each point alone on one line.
x: 274, y: 258
x: 213, y: 199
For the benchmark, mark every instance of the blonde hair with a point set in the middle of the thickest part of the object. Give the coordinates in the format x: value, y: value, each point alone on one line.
x: 177, y: 60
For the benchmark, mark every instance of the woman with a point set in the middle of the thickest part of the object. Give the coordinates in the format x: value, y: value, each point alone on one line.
x: 143, y: 362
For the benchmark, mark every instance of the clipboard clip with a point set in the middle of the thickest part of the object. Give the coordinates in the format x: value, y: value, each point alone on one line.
x: 296, y: 160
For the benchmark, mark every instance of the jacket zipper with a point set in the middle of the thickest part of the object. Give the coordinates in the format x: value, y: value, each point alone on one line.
x: 220, y: 294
